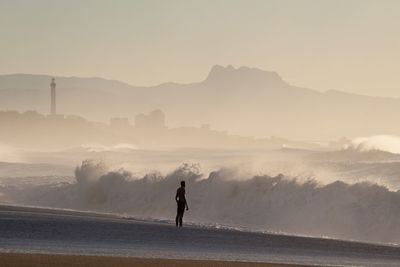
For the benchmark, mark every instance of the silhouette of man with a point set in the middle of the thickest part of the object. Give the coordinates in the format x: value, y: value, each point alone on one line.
x: 182, y: 203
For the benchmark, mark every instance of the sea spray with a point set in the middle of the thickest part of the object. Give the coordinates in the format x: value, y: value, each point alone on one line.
x: 359, y: 211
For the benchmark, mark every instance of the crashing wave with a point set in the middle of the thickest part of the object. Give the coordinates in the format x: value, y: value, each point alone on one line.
x: 388, y: 143
x: 360, y: 211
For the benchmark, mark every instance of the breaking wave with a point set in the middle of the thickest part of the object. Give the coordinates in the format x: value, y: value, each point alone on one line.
x: 387, y: 143
x: 360, y: 211
x: 102, y: 148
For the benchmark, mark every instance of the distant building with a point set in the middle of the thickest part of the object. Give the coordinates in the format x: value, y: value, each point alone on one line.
x: 120, y: 123
x: 53, y: 108
x: 153, y: 121
x: 206, y: 127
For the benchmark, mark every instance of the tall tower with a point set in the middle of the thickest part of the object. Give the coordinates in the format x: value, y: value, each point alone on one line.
x: 53, y: 97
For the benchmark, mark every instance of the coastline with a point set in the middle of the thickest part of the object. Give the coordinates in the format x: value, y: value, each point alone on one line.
x: 42, y: 237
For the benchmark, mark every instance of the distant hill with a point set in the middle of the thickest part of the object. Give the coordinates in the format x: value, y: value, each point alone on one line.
x: 243, y: 100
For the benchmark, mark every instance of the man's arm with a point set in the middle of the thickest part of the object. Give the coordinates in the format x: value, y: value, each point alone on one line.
x: 187, y: 207
x: 176, y: 196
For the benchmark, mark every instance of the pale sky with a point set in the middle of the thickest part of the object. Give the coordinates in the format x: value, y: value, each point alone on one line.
x: 349, y: 45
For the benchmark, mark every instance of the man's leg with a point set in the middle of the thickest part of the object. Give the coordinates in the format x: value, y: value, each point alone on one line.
x: 180, y: 220
x: 181, y: 217
x: 178, y: 212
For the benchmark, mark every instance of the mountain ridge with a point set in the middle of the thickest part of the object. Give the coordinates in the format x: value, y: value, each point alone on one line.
x: 217, y: 72
x: 245, y: 101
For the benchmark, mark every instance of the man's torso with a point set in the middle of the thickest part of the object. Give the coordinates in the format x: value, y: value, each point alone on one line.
x: 181, y: 194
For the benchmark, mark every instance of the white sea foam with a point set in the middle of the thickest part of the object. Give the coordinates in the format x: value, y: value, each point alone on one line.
x: 102, y: 148
x: 387, y: 143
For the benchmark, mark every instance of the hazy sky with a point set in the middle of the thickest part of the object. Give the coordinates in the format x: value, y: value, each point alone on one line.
x: 350, y: 45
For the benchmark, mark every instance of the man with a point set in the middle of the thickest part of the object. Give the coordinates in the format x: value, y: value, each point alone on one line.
x: 181, y: 202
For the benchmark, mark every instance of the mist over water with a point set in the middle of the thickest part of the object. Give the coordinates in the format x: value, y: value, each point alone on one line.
x: 360, y: 211
x: 348, y: 193
x: 280, y: 116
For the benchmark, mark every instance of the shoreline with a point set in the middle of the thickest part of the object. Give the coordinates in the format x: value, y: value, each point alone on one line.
x: 46, y: 260
x: 35, y: 237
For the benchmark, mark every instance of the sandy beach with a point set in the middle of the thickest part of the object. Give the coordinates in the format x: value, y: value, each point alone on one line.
x: 111, y: 240
x: 44, y: 260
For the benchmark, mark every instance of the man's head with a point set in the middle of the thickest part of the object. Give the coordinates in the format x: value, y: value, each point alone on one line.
x: 183, y: 183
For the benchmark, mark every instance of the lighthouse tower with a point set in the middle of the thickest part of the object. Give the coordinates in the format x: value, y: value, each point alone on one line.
x: 53, y: 111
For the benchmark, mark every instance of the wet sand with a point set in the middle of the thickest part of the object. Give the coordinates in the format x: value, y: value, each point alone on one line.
x: 47, y: 260
x: 111, y: 240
